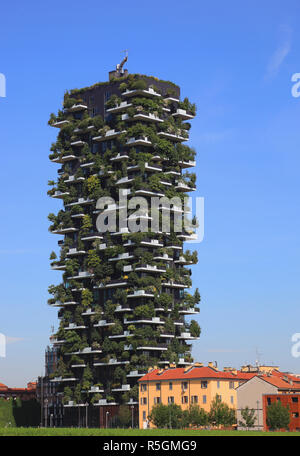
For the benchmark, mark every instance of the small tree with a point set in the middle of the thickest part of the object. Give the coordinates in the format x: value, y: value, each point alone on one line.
x: 220, y: 413
x: 198, y: 416
x: 248, y: 417
x: 278, y: 416
x: 163, y: 416
x: 124, y: 416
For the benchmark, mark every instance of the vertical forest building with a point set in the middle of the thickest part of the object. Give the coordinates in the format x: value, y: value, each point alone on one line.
x: 124, y: 294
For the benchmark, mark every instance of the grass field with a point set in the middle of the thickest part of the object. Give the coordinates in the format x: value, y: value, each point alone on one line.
x: 132, y: 432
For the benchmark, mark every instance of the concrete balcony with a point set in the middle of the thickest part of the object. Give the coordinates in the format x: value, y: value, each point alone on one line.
x: 103, y: 324
x: 75, y: 252
x: 153, y: 321
x: 187, y: 163
x: 142, y: 116
x: 123, y: 308
x: 183, y: 114
x: 120, y: 156
x: 96, y: 389
x: 77, y: 107
x: 135, y: 373
x: 183, y: 187
x: 182, y: 260
x: 73, y: 326
x: 92, y: 237
x: 172, y: 136
x: 122, y: 388
x: 74, y: 179
x: 187, y: 336
x: 78, y: 143
x: 86, y: 351
x: 189, y: 311
x: 122, y: 256
x: 63, y: 379
x: 59, y: 195
x: 110, y: 134
x: 58, y: 267
x: 111, y: 362
x: 153, y: 348
x: 164, y: 257
x: 140, y: 294
x: 139, y: 92
x: 64, y: 230
x: 82, y: 275
x: 119, y: 108
x: 121, y: 336
x: 81, y: 202
x: 142, y: 141
x: 60, y: 123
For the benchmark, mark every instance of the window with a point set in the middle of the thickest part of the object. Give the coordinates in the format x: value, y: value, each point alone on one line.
x: 171, y: 400
x: 184, y: 386
x: 231, y: 399
x: 144, y: 415
x: 269, y: 400
x: 295, y: 415
x: 204, y: 384
x: 231, y: 385
x: 194, y: 399
x: 143, y: 401
x: 294, y: 399
x: 144, y: 387
x: 219, y: 396
x: 204, y: 399
x: 157, y: 400
x: 107, y: 96
x: 218, y: 384
x: 157, y: 386
x: 184, y: 400
x: 170, y: 385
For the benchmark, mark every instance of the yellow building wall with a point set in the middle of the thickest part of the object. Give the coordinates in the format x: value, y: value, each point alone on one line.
x: 228, y: 395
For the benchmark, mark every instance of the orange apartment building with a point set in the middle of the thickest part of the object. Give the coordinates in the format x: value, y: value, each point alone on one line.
x: 23, y: 393
x: 196, y: 384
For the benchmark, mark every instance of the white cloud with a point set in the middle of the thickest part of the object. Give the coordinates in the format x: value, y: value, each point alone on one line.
x: 280, y: 53
x: 12, y: 340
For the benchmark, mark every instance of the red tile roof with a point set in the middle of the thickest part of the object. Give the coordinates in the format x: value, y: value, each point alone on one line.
x: 3, y: 387
x: 179, y: 373
x: 277, y: 380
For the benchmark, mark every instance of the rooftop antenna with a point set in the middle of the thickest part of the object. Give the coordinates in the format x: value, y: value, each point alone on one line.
x: 52, y: 329
x: 258, y: 354
x: 120, y: 65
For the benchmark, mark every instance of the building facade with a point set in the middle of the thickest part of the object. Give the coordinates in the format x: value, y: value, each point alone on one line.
x: 266, y: 382
x: 194, y: 384
x: 25, y: 394
x: 124, y: 295
x: 291, y: 401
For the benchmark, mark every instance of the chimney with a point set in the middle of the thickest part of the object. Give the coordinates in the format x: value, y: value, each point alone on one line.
x: 198, y: 364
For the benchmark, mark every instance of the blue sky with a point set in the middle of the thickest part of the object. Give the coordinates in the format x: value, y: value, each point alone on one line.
x: 235, y: 61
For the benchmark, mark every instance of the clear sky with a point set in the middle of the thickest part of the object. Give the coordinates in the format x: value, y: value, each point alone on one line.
x: 235, y: 60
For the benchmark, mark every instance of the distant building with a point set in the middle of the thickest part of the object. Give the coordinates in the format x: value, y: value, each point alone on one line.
x: 24, y: 394
x: 47, y: 394
x: 251, y: 393
x: 292, y: 401
x: 196, y: 384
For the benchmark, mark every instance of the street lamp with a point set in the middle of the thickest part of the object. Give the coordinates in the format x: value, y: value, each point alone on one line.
x: 107, y: 413
x: 46, y: 412
x: 132, y: 408
x: 86, y: 414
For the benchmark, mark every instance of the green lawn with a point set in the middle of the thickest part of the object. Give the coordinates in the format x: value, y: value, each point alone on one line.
x: 131, y: 432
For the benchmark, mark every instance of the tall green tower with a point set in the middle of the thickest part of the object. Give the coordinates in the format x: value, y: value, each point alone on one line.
x: 124, y: 294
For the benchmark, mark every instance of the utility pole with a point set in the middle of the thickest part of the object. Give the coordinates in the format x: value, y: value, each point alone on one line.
x: 42, y: 401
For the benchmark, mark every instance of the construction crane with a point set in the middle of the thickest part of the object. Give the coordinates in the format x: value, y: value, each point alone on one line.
x: 119, y: 67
